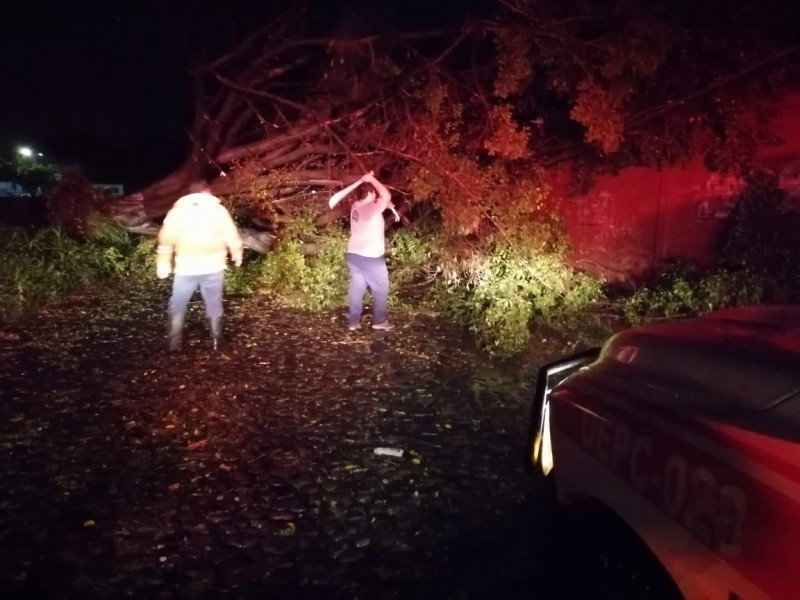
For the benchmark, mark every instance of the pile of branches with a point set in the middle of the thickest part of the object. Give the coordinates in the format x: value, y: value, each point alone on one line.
x: 285, y: 117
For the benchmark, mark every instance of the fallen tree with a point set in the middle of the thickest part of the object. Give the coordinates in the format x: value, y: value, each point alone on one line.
x: 466, y: 117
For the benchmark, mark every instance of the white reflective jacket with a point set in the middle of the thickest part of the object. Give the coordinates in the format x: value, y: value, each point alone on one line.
x: 200, y: 232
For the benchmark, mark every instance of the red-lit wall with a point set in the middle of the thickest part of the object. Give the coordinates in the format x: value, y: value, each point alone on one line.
x: 629, y: 221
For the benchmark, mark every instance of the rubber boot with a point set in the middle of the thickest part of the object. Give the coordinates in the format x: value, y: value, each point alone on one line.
x: 215, y: 325
x: 175, y: 332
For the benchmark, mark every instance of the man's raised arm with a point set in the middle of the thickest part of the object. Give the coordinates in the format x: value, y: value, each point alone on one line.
x: 384, y: 196
x: 340, y: 195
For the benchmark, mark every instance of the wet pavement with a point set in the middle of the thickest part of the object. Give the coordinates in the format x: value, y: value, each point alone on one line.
x: 130, y: 472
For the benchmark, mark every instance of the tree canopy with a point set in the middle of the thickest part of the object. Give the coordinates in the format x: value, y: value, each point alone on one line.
x: 462, y: 113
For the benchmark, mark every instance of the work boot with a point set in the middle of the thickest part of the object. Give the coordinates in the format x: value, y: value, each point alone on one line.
x: 215, y: 325
x: 175, y: 332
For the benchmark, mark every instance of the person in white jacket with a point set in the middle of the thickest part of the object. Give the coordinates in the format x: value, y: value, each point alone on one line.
x: 199, y: 233
x: 366, y: 249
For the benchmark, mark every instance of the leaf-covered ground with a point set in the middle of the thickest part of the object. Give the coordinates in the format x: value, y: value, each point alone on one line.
x: 129, y: 471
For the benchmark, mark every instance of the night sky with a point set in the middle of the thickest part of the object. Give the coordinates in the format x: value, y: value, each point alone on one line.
x: 105, y: 84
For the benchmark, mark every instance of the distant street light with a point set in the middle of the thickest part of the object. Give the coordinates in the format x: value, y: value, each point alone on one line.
x: 28, y: 153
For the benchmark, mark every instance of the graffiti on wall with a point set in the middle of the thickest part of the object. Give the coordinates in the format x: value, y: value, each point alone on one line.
x: 715, y: 199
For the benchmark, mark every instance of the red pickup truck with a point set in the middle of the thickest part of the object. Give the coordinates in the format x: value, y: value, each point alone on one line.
x: 688, y: 431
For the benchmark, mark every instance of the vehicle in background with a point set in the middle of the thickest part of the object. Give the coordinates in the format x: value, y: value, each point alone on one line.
x: 10, y: 189
x: 689, y: 432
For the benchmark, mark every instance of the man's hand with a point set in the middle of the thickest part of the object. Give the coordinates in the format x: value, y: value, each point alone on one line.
x: 163, y: 258
x: 396, y: 216
x: 368, y: 176
x: 237, y: 260
x: 163, y: 269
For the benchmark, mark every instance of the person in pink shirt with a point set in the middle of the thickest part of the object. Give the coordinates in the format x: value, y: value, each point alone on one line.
x: 366, y: 250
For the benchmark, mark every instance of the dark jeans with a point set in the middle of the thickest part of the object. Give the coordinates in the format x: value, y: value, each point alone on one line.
x: 183, y: 286
x: 368, y: 273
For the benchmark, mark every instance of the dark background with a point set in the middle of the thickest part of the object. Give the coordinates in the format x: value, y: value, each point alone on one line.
x: 106, y: 84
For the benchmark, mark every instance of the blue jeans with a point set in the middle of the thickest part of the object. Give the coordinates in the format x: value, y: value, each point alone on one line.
x: 183, y: 286
x: 368, y: 273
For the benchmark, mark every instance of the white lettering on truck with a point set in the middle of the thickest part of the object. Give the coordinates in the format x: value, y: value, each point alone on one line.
x: 687, y: 491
